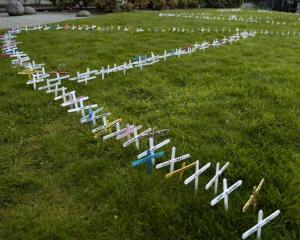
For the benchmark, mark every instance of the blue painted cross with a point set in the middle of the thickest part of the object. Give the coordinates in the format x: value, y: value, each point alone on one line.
x: 91, y: 115
x: 148, y: 160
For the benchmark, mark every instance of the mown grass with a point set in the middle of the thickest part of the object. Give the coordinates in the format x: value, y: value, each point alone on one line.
x: 238, y: 103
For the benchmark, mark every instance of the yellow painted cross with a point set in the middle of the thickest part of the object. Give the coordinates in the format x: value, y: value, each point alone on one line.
x: 252, y: 202
x: 107, y: 128
x: 28, y: 72
x: 180, y: 170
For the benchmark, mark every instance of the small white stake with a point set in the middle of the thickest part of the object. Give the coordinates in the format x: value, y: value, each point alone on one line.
x: 172, y: 161
x: 196, y: 175
x: 225, y: 193
x: 216, y: 177
x: 260, y: 223
x: 153, y: 147
x: 136, y: 138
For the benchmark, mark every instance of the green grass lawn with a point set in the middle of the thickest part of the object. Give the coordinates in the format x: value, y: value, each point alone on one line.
x: 237, y: 103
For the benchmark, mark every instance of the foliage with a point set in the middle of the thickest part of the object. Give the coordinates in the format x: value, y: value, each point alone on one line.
x: 61, y: 4
x: 158, y: 4
x: 182, y: 3
x: 223, y: 3
x: 106, y: 5
x: 171, y: 4
x: 237, y: 103
x: 140, y: 4
x: 129, y: 6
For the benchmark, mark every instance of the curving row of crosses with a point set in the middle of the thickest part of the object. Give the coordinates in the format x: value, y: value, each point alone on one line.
x: 230, y: 18
x: 174, y: 29
x: 90, y: 113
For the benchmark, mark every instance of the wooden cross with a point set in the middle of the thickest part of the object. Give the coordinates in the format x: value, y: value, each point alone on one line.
x: 252, y: 202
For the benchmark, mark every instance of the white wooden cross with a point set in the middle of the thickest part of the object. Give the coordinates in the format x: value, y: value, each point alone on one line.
x: 153, y: 148
x: 91, y: 116
x: 136, y: 138
x: 46, y: 28
x: 225, y: 193
x: 50, y: 86
x: 118, y: 131
x: 38, y: 27
x: 173, y: 160
x: 58, y: 27
x: 224, y: 40
x: 104, y: 121
x: 21, y: 61
x: 204, y: 45
x: 81, y: 106
x: 54, y: 81
x: 73, y: 102
x: 85, y: 79
x: 36, y: 78
x: 196, y: 175
x: 9, y: 45
x: 64, y: 95
x: 215, y: 179
x: 17, y: 55
x: 215, y: 43
x: 129, y: 130
x: 57, y: 90
x: 11, y: 50
x: 58, y: 77
x: 260, y: 223
x: 79, y: 75
x: 34, y: 66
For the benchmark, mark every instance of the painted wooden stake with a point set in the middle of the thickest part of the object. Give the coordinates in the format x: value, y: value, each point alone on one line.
x: 195, y: 176
x: 260, y: 223
x: 153, y: 148
x: 148, y: 159
x: 118, y: 131
x: 225, y: 193
x: 136, y: 138
x: 106, y: 127
x: 216, y: 177
x: 181, y: 173
x: 64, y: 95
x: 181, y: 170
x: 156, y: 133
x: 81, y: 108
x: 91, y: 117
x: 129, y: 130
x: 252, y: 202
x: 173, y: 160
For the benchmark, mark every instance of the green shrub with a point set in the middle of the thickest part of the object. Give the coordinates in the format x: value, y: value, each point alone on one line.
x: 171, y: 4
x: 158, y: 4
x: 106, y: 5
x: 129, y: 6
x: 140, y: 4
x: 61, y: 4
x: 193, y: 3
x: 223, y: 3
x: 182, y: 3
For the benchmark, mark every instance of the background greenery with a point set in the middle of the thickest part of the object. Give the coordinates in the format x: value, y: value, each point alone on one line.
x: 237, y: 103
x: 113, y: 5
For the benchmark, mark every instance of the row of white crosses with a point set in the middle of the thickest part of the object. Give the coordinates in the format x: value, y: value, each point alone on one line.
x: 142, y: 61
x: 132, y: 30
x: 139, y: 29
x: 74, y: 101
x: 229, y: 18
x: 76, y: 104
